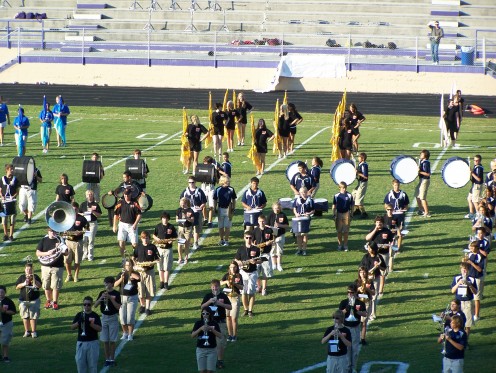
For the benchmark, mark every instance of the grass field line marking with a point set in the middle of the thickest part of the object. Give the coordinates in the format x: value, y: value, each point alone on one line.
x: 42, y: 213
x: 401, y: 367
x: 178, y: 268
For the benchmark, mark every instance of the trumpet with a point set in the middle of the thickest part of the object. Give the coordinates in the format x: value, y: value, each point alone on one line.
x: 106, y: 299
x: 83, y: 323
x: 214, y: 307
x: 205, y: 333
x: 351, y: 302
x: 336, y: 336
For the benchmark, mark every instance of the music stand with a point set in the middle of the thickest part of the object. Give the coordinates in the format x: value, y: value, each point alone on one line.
x: 191, y: 26
x: 215, y: 7
x: 224, y: 26
x: 135, y: 5
x: 194, y: 5
x: 175, y: 5
x: 154, y: 4
x: 5, y: 3
x: 149, y: 25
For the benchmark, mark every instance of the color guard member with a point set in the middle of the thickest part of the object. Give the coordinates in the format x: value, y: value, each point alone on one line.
x: 21, y: 125
x: 243, y: 107
x: 60, y: 112
x: 46, y: 118
x: 218, y: 118
x: 232, y: 118
x: 4, y: 118
x: 29, y: 285
x: 163, y: 236
x: 294, y: 119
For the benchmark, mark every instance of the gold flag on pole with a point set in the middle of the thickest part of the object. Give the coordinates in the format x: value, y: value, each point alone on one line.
x: 252, y: 153
x: 277, y: 139
x: 338, y: 114
x: 185, y: 152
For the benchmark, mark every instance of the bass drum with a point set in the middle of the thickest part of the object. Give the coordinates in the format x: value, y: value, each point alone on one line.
x: 92, y: 171
x: 404, y: 168
x: 292, y: 170
x: 109, y: 201
x: 136, y: 168
x: 24, y: 169
x: 343, y: 170
x: 456, y: 172
x: 145, y: 202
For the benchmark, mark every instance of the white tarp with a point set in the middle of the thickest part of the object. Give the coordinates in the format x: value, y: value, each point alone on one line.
x: 313, y: 66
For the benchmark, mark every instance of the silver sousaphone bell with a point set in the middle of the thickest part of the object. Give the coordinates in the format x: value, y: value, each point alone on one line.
x: 60, y: 216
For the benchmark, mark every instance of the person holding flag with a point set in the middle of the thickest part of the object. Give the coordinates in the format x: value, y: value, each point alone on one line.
x: 46, y: 119
x: 60, y: 112
x: 21, y: 125
x: 262, y: 136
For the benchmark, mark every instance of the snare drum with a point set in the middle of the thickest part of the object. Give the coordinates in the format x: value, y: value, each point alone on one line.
x: 145, y: 202
x: 343, y: 170
x: 300, y: 224
x: 456, y: 172
x: 251, y: 217
x: 321, y: 204
x: 109, y: 201
x: 286, y: 203
x: 292, y: 170
x: 404, y: 168
x: 9, y: 206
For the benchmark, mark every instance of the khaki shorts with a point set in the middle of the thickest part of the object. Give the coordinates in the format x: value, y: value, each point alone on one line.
x: 467, y: 309
x: 359, y: 193
x: 265, y: 269
x: 30, y: 310
x: 75, y: 252
x: 224, y: 221
x: 206, y: 359
x: 234, y: 312
x: 127, y: 312
x: 343, y: 222
x: 6, y: 333
x: 222, y: 341
x: 166, y: 259
x: 51, y: 277
x: 110, y: 328
x: 146, y: 287
x: 184, y: 232
x: 421, y: 189
x: 475, y: 194
x: 278, y: 246
x: 480, y: 286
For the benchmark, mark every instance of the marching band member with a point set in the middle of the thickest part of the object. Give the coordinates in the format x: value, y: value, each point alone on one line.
x: 354, y: 309
x: 21, y: 125
x: 243, y: 107
x: 60, y: 112
x: 262, y: 136
x: 64, y: 191
x: 88, y: 324
x: 454, y: 309
x: 366, y: 291
x: 279, y: 221
x: 92, y: 211
x: 141, y: 182
x: 283, y: 128
x: 338, y: 338
x: 424, y: 174
x: 74, y: 241
x: 342, y: 205
x: 128, y: 184
x: 209, y: 189
x: 294, y: 119
x: 28, y: 196
x: 302, y: 179
x: 483, y: 220
x: 303, y: 206
x: 128, y: 282
x: 263, y: 238
x: 29, y: 299
x: 254, y: 197
x: 147, y: 254
x: 163, y: 236
x: 399, y: 200
x: 315, y: 171
x: 356, y: 118
x: 374, y: 264
x: 247, y: 258
x: 52, y: 273
x: 197, y: 199
x: 95, y: 187
x: 476, y: 271
x: 384, y: 238
x: 127, y: 215
x: 4, y: 118
x: 390, y: 221
x: 475, y: 194
x: 232, y: 118
x: 361, y: 189
x: 456, y: 341
x: 206, y: 331
x: 225, y: 203
x: 218, y: 118
x: 9, y: 187
x: 194, y: 133
x: 233, y: 281
x: 346, y: 138
x: 464, y: 287
x: 218, y: 302
x: 46, y: 118
x: 7, y: 310
x: 484, y: 246
x: 185, y: 217
x: 226, y: 165
x: 110, y: 303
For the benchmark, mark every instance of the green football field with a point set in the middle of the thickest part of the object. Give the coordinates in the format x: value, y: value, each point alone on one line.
x: 285, y: 334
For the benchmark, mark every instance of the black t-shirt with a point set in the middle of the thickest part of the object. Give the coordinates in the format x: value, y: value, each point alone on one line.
x: 243, y: 108
x: 370, y: 262
x: 211, y: 339
x: 10, y: 307
x: 46, y: 244
x: 221, y: 311
x: 185, y: 214
x: 91, y: 334
x: 261, y: 138
x: 195, y: 132
x: 261, y: 236
x: 359, y: 306
x: 237, y: 279
x: 165, y: 231
x: 391, y: 222
x: 127, y: 212
x: 79, y: 225
x: 65, y: 192
x: 148, y: 253
x: 280, y: 218
x: 246, y: 253
x: 383, y: 238
x: 341, y: 348
x: 127, y: 287
x: 90, y: 207
x: 28, y: 294
x: 111, y: 309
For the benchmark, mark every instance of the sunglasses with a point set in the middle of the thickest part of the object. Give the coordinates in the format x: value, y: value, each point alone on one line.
x: 191, y: 182
x: 205, y: 314
x: 87, y: 304
x: 247, y: 238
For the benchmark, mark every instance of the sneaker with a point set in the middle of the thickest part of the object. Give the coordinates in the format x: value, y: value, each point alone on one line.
x: 6, y: 359
x: 11, y: 238
x: 279, y: 268
x: 476, y: 318
x: 130, y: 337
x: 220, y: 364
x: 55, y: 306
x: 161, y: 285
x: 304, y: 253
x: 166, y: 286
x: 107, y: 363
x: 148, y: 312
x: 34, y: 335
x: 426, y: 215
x: 250, y: 313
x: 30, y: 221
x: 179, y: 261
x: 195, y: 246
x: 210, y: 225
x: 420, y: 213
x: 363, y: 342
x: 221, y: 243
x: 226, y: 243
x: 142, y: 309
x: 239, y: 143
x: 234, y: 338
x: 371, y: 318
x: 264, y: 293
x: 25, y: 218
x: 90, y: 259
x: 28, y: 334
x: 229, y: 339
x: 48, y: 304
x: 76, y: 279
x: 298, y: 252
x: 380, y: 295
x: 124, y: 336
x: 468, y: 216
x: 245, y: 313
x: 242, y: 143
x: 345, y: 248
x: 5, y: 237
x: 68, y: 278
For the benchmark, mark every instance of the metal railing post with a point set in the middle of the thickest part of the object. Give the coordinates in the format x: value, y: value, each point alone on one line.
x: 18, y: 45
x: 8, y: 35
x: 416, y: 55
x: 349, y: 52
x: 149, y: 53
x: 483, y: 55
x: 42, y: 34
x: 215, y: 49
x: 82, y: 48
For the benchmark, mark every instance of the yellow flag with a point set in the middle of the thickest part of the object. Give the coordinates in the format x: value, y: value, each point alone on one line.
x: 277, y: 138
x: 285, y: 100
x: 238, y: 129
x: 224, y: 107
x: 208, y: 139
x: 338, y: 114
x: 252, y: 153
x: 185, y: 153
